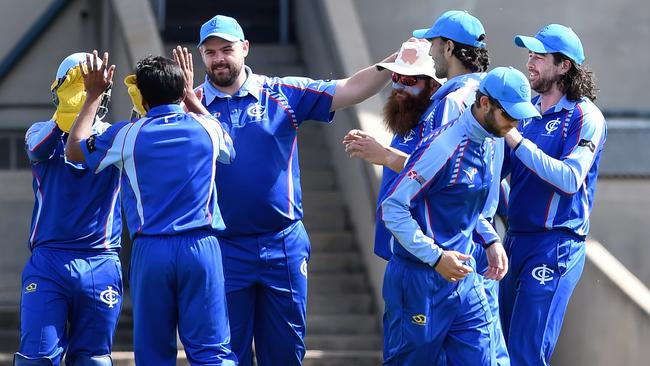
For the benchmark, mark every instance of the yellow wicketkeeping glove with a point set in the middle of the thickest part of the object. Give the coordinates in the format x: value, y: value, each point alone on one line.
x: 71, y: 95
x: 134, y: 93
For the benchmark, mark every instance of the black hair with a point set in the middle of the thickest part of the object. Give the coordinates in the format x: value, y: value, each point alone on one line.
x: 475, y: 59
x: 160, y: 81
x: 578, y: 82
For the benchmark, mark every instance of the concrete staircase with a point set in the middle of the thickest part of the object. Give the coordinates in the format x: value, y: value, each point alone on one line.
x: 342, y: 320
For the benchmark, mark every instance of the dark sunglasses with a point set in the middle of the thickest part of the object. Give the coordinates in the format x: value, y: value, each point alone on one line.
x: 407, y: 80
x: 499, y: 106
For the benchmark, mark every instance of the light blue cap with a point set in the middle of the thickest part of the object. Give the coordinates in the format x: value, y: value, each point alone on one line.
x: 511, y: 88
x: 459, y: 26
x: 223, y: 27
x: 554, y: 38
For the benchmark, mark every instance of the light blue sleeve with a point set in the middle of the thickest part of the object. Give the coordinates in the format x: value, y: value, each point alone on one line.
x: 222, y: 142
x: 585, y: 139
x: 485, y: 231
x: 107, y: 148
x: 421, y: 172
x: 41, y: 140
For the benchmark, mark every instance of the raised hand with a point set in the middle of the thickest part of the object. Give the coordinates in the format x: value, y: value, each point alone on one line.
x: 184, y: 59
x: 97, y: 76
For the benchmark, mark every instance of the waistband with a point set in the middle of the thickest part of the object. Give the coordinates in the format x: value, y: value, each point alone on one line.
x: 556, y: 231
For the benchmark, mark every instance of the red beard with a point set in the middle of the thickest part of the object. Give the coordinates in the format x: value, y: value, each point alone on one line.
x: 401, y: 115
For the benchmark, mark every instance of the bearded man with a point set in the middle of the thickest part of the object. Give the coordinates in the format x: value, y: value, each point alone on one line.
x: 414, y: 82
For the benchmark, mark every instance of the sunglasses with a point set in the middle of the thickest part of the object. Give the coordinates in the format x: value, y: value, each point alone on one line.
x: 407, y: 80
x: 499, y: 106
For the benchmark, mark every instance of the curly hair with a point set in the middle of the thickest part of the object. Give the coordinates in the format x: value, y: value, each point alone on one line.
x: 578, y: 82
x: 473, y: 58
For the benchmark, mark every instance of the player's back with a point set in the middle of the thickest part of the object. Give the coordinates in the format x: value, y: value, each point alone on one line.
x: 74, y: 209
x: 170, y: 164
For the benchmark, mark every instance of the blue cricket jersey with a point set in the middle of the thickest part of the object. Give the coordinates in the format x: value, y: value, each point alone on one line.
x: 383, y: 238
x: 555, y: 168
x: 74, y: 208
x: 451, y: 99
x: 435, y: 203
x: 447, y: 104
x: 168, y: 162
x: 260, y: 191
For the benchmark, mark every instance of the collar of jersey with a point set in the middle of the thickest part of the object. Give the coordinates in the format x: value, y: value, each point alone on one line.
x: 251, y: 86
x: 562, y: 104
x: 456, y: 83
x: 475, y: 131
x: 164, y: 109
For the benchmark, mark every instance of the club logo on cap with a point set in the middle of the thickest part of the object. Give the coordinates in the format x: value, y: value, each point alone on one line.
x: 409, y: 55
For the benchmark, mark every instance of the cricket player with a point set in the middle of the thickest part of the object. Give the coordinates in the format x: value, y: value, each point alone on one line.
x: 414, y: 82
x: 553, y: 162
x: 265, y: 245
x: 433, y: 297
x: 72, y: 283
x: 168, y: 161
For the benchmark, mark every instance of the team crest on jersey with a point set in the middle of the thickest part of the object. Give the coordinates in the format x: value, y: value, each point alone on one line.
x: 216, y: 114
x: 256, y: 112
x: 408, y: 137
x: 110, y: 297
x: 543, y: 274
x: 412, y: 174
x: 552, y: 126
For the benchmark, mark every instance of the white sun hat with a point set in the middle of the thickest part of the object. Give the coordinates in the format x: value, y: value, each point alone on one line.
x: 413, y: 59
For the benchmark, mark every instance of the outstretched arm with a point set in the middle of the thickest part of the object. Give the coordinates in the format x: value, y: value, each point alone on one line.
x: 361, y: 86
x: 97, y: 78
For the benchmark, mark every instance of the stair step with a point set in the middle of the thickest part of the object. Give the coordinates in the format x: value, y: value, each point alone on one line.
x: 344, y: 342
x: 338, y: 283
x: 342, y: 358
x: 331, y: 242
x: 342, y: 324
x: 9, y: 340
x: 318, y: 304
x: 346, y: 262
x: 320, y: 200
x: 312, y: 358
x: 317, y: 156
x: 317, y: 180
x: 325, y: 220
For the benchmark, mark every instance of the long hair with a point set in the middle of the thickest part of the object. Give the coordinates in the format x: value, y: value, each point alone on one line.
x: 578, y: 82
x: 473, y: 58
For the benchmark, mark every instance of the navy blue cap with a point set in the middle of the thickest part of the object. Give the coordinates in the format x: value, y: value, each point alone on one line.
x: 223, y: 27
x: 459, y: 26
x: 554, y: 38
x: 511, y: 88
